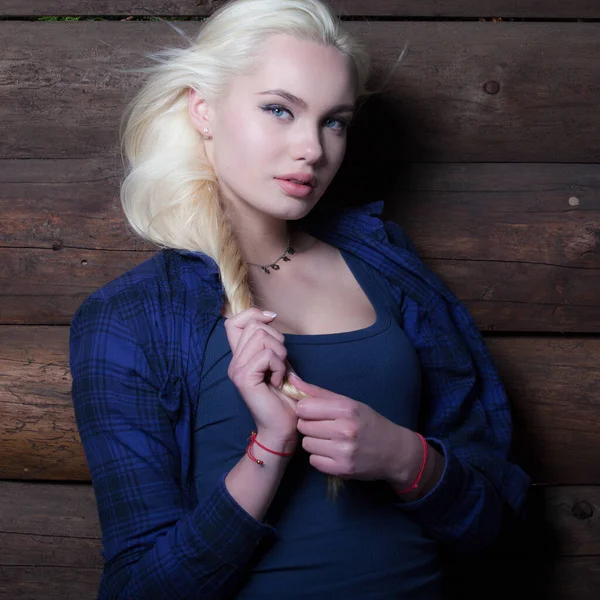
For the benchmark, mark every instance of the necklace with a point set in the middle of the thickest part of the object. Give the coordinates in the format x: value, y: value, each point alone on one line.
x: 266, y: 268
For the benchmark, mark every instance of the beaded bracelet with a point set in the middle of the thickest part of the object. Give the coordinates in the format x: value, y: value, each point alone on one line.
x: 253, y: 440
x: 422, y: 470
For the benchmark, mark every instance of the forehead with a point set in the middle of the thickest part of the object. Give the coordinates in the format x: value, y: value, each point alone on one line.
x: 306, y: 69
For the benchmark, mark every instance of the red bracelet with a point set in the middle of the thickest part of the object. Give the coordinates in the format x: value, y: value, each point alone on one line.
x: 416, y: 481
x: 253, y: 440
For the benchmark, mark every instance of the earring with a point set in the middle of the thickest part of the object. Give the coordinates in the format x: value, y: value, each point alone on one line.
x: 206, y: 130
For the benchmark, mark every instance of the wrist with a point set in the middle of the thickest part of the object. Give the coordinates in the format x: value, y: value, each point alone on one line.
x: 406, y: 460
x: 276, y: 442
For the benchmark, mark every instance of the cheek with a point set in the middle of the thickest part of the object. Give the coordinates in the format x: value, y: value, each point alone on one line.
x: 249, y: 141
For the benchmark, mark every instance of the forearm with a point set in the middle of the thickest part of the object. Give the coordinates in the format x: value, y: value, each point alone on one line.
x: 461, y: 508
x: 454, y: 502
x: 253, y: 486
x: 405, y: 462
x: 201, y: 555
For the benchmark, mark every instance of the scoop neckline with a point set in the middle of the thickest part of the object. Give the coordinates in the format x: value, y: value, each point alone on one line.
x: 382, y: 321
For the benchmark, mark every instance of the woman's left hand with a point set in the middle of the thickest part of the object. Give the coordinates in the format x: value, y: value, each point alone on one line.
x: 349, y: 439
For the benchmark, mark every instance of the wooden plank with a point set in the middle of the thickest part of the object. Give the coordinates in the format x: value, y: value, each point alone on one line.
x: 49, y: 583
x: 51, y: 285
x: 552, y: 384
x: 38, y: 434
x: 519, y: 242
x: 49, y: 551
x: 65, y: 510
x: 49, y: 204
x: 40, y: 287
x: 488, y: 211
x: 379, y: 8
x: 57, y: 203
x: 63, y: 93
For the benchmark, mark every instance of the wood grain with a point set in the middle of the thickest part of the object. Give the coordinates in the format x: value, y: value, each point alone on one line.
x: 45, y: 287
x: 517, y: 243
x: 38, y: 434
x: 465, y: 92
x: 379, y: 8
x: 552, y: 385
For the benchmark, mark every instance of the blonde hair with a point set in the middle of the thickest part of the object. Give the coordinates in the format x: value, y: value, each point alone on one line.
x: 170, y: 194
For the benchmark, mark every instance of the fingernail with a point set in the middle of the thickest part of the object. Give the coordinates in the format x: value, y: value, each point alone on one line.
x: 270, y: 314
x: 294, y: 374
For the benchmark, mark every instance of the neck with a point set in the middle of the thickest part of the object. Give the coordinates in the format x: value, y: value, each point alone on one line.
x: 262, y: 239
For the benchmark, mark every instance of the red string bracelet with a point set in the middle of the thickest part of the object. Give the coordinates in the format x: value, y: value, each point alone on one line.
x: 422, y: 470
x: 253, y: 440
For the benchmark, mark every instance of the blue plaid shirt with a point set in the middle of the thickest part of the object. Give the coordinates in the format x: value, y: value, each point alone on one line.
x: 136, y: 350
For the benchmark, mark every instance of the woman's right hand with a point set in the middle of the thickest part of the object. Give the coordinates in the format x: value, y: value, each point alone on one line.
x: 257, y: 369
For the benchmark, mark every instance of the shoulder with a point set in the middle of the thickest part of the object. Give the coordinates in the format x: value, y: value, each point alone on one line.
x: 162, y: 282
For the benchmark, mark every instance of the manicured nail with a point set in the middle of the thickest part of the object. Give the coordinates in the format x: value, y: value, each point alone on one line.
x: 270, y: 314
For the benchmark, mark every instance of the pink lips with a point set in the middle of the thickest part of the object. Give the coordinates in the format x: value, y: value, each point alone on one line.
x: 294, y: 189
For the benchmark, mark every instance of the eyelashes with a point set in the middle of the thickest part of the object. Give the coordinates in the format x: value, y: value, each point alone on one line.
x: 271, y: 108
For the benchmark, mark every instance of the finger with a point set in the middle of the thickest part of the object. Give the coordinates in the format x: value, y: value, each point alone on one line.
x: 319, y: 447
x: 235, y: 325
x: 324, y: 464
x: 252, y: 327
x: 320, y: 409
x: 260, y: 340
x: 312, y: 390
x: 253, y: 373
x: 324, y: 430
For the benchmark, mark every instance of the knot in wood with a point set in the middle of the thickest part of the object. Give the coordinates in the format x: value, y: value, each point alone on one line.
x: 582, y: 510
x: 491, y: 87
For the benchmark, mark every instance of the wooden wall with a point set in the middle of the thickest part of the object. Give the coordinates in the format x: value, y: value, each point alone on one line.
x: 486, y: 148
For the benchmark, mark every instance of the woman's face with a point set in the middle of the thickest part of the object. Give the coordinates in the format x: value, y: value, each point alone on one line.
x: 259, y: 136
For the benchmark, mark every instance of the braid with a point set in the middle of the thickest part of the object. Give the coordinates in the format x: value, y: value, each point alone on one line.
x: 234, y: 276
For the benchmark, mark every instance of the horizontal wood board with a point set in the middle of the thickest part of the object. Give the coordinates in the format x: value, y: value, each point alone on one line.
x: 552, y: 385
x: 376, y: 8
x: 518, y: 243
x: 464, y: 92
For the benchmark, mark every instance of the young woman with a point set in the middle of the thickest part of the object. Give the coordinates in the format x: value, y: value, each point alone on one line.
x: 210, y: 459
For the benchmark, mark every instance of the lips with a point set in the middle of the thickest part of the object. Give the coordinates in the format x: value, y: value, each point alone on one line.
x: 300, y: 179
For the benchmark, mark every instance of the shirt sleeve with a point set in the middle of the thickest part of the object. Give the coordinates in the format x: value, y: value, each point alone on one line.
x: 155, y: 547
x: 465, y: 416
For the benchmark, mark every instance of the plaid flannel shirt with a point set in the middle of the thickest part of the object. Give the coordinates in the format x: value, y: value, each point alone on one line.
x: 136, y: 350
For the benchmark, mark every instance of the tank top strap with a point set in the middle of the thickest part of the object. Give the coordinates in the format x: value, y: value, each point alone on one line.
x: 373, y: 284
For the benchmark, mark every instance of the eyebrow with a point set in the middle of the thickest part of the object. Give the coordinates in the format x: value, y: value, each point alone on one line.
x: 295, y: 100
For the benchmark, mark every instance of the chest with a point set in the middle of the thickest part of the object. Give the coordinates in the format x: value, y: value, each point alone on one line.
x: 325, y: 300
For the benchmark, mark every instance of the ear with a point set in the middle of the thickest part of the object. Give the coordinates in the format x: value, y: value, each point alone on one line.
x: 198, y: 110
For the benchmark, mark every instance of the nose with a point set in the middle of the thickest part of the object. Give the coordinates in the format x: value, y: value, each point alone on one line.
x: 308, y: 146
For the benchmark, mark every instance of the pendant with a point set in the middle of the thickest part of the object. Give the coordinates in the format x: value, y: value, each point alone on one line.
x: 275, y: 267
x: 266, y: 270
x: 286, y: 259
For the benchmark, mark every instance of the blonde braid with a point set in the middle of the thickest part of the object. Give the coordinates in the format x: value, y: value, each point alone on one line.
x: 234, y: 276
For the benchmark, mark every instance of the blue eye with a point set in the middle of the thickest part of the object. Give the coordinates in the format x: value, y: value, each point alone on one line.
x: 342, y: 122
x: 276, y: 108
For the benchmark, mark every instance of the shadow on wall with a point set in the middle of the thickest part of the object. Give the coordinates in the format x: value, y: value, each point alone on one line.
x: 518, y: 565
x: 382, y: 144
